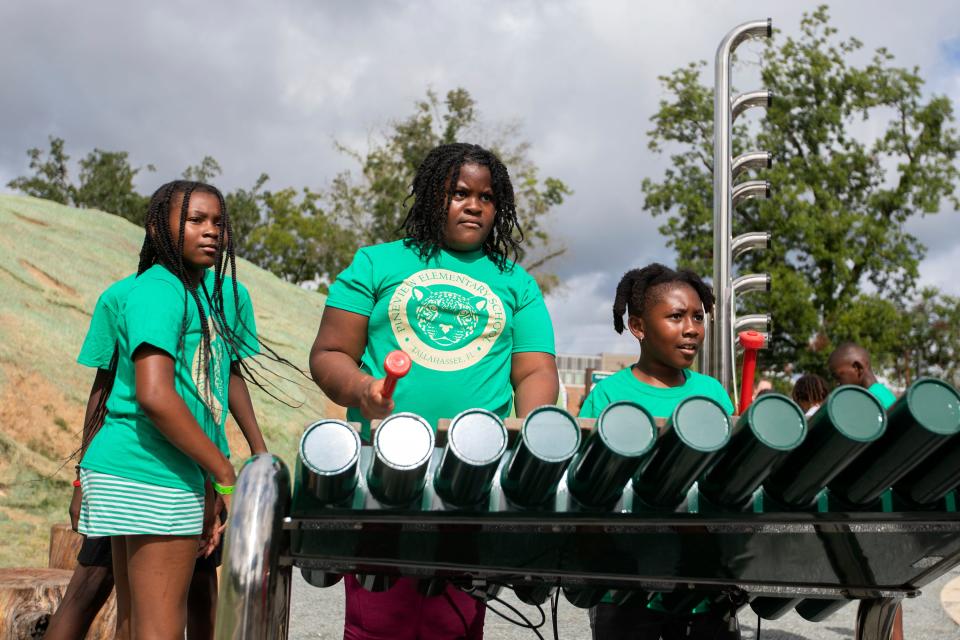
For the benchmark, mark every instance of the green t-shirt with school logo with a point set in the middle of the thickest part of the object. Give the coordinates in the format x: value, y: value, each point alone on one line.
x: 458, y: 317
x: 129, y: 445
x: 659, y: 401
x: 883, y: 394
x: 101, y: 338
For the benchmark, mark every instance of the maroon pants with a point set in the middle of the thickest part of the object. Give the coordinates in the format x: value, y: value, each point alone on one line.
x: 403, y: 613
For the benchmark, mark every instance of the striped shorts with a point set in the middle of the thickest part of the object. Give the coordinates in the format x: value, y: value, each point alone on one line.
x: 114, y: 506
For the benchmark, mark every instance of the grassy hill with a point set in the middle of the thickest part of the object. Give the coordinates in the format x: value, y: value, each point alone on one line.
x: 54, y: 262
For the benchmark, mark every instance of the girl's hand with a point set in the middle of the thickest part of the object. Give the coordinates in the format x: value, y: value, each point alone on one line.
x: 75, y: 508
x: 213, y: 529
x: 373, y: 404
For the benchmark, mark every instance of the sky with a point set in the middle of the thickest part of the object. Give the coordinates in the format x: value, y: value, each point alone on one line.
x: 271, y: 87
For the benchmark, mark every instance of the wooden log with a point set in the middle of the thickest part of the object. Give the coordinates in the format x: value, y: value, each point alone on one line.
x: 28, y: 598
x: 64, y: 546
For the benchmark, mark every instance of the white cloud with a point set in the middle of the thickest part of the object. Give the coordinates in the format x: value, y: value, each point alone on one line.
x: 268, y: 87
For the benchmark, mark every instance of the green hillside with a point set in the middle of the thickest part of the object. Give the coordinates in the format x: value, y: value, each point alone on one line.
x: 54, y: 262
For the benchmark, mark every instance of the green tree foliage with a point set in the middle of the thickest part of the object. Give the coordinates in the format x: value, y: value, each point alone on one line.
x: 840, y: 198
x: 50, y: 179
x: 933, y: 343
x: 105, y: 181
x: 371, y: 204
x: 310, y: 236
x: 296, y: 240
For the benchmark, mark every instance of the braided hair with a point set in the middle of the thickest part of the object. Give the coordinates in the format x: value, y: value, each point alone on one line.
x: 432, y: 189
x: 161, y: 247
x: 639, y: 288
x: 810, y: 389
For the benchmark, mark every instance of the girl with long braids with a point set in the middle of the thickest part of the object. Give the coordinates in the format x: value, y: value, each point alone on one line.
x: 475, y: 326
x: 157, y: 474
x: 665, y: 313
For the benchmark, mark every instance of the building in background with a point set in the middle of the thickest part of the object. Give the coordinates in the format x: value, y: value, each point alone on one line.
x: 579, y: 372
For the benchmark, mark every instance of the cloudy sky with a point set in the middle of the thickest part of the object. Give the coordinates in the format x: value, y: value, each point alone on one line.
x: 270, y: 86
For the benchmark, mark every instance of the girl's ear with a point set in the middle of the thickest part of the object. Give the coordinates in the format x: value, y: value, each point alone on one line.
x: 635, y: 323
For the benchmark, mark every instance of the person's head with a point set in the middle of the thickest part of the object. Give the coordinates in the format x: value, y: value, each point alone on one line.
x: 810, y: 390
x: 665, y: 311
x: 463, y: 201
x: 187, y: 229
x: 850, y: 364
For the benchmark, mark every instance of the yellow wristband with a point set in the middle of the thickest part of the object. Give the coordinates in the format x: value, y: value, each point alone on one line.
x: 222, y: 490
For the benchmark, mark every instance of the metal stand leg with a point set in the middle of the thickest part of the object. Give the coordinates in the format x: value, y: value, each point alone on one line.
x: 254, y: 601
x: 875, y: 618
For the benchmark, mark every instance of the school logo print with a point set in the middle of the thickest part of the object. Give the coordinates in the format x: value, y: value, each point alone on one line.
x: 208, y: 393
x: 445, y: 320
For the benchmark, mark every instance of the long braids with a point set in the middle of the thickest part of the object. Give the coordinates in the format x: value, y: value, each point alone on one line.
x: 810, y: 388
x: 159, y: 247
x: 639, y: 287
x: 431, y: 191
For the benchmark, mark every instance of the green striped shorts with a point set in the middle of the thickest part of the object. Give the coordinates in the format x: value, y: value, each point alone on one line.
x: 114, y: 506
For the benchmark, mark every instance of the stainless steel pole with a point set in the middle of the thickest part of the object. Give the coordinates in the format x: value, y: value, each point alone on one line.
x: 720, y: 362
x: 254, y: 601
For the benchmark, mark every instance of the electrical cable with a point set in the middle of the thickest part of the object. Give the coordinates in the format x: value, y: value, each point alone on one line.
x: 526, y: 624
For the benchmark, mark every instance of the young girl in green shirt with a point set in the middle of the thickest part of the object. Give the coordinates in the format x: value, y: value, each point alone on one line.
x: 665, y: 313
x: 475, y: 327
x: 146, y: 476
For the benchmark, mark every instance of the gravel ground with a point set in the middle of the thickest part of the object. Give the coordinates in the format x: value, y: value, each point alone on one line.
x: 318, y: 613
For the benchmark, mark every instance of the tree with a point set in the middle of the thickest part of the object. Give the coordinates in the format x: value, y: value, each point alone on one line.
x: 840, y: 200
x: 50, y: 179
x: 932, y: 346
x: 296, y: 240
x: 371, y: 205
x: 106, y: 183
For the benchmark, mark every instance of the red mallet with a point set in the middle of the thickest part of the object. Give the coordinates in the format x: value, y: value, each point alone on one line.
x: 397, y: 365
x: 751, y: 341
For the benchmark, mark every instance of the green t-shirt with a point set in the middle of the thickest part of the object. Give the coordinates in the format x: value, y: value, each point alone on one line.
x: 129, y: 445
x: 659, y: 401
x: 458, y: 317
x: 883, y: 394
x: 101, y: 339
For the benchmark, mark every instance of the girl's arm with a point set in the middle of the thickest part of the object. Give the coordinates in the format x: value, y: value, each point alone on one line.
x: 334, y: 359
x: 101, y: 382
x: 535, y: 381
x: 241, y: 408
x: 154, y: 369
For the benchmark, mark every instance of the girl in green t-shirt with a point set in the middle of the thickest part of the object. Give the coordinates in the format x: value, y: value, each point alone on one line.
x: 475, y: 327
x: 665, y: 313
x: 182, y: 334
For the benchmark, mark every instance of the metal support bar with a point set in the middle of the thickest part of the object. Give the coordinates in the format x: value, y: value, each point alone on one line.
x: 875, y: 619
x: 751, y: 282
x: 254, y: 600
x: 749, y: 190
x: 720, y: 336
x: 750, y: 160
x: 744, y: 101
x: 749, y: 241
x: 761, y: 322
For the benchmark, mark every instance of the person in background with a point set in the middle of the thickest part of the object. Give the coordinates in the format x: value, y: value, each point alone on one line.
x: 850, y: 364
x: 665, y: 312
x: 809, y: 392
